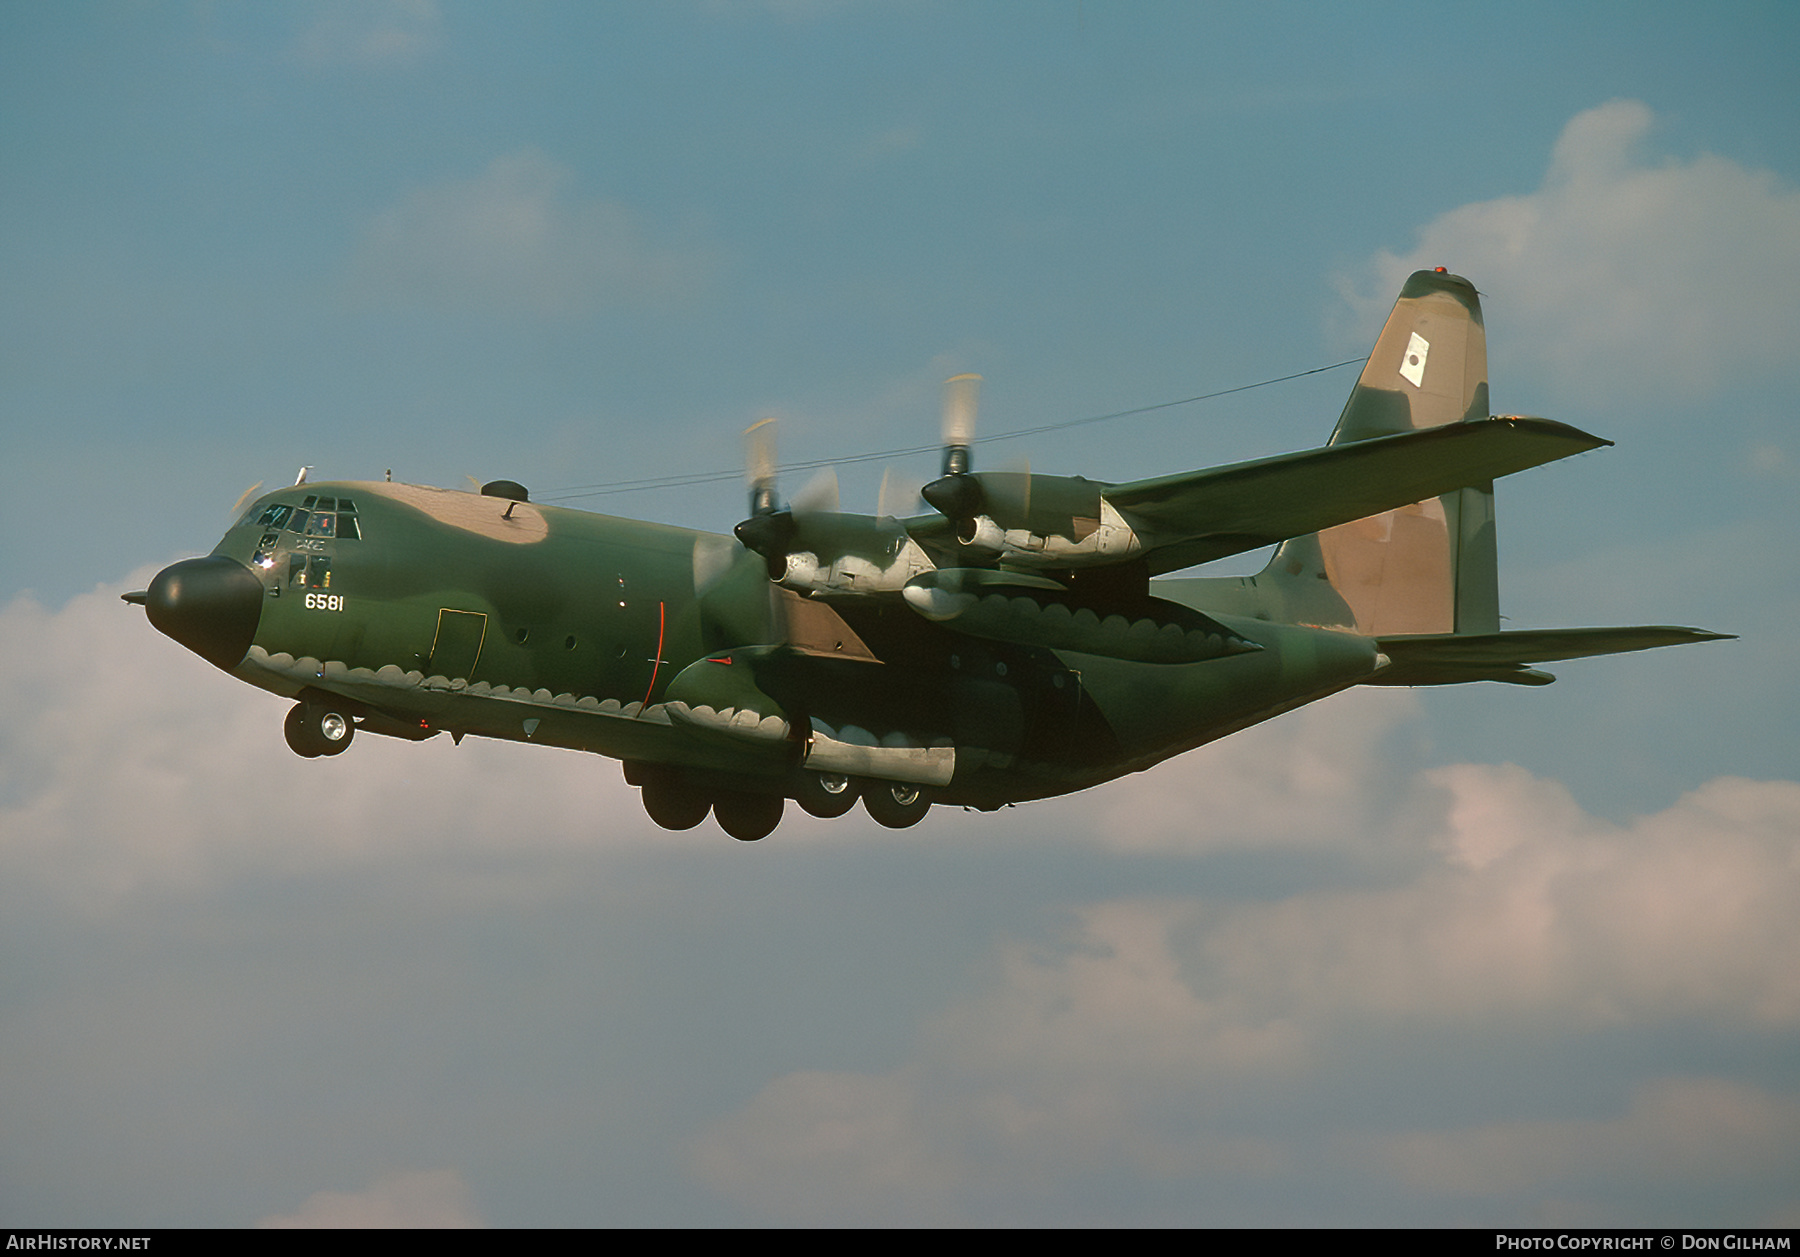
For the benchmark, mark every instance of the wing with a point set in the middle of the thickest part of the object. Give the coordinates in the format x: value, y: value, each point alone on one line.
x: 1205, y: 515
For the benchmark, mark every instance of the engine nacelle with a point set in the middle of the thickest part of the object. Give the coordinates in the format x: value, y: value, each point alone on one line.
x: 1082, y: 541
x: 852, y: 554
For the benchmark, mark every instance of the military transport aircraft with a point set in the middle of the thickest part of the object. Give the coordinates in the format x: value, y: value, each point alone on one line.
x: 1022, y: 641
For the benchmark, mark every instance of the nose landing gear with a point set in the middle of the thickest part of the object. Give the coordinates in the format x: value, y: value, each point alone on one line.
x: 314, y: 729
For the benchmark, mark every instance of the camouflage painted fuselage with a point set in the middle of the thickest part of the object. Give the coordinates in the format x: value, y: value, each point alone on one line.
x: 479, y: 615
x: 1013, y: 646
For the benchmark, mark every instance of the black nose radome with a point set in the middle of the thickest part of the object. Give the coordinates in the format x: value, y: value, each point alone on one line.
x: 209, y: 605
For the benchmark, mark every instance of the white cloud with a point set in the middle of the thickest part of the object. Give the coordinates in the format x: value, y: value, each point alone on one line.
x: 517, y: 239
x: 424, y: 1199
x: 1675, y: 1131
x: 1623, y: 275
x: 129, y: 766
x: 1125, y: 1044
x: 1305, y: 779
x: 1150, y: 1039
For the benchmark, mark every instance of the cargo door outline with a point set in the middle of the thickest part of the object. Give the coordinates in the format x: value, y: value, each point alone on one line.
x: 457, y: 647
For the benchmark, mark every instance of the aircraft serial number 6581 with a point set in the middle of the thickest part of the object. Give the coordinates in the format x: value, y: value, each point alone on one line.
x: 1020, y: 641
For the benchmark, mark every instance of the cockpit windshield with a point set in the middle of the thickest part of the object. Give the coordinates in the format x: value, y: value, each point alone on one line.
x: 314, y: 517
x: 287, y: 527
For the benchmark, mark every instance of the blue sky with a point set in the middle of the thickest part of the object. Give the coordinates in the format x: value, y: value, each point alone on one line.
x: 1484, y: 956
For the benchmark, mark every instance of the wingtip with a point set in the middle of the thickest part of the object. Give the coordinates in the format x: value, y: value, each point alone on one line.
x: 1555, y: 426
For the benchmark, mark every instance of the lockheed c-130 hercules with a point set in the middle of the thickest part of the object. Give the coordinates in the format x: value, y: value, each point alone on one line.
x: 1018, y: 642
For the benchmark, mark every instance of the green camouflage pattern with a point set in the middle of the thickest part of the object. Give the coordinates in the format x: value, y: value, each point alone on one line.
x: 1027, y: 649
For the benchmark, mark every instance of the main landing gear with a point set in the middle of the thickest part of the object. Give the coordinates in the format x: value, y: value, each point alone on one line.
x: 825, y: 795
x: 315, y: 729
x: 896, y: 804
x: 676, y: 799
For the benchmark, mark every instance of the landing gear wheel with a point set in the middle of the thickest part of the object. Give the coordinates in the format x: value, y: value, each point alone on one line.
x: 671, y: 802
x: 748, y: 817
x: 294, y: 729
x: 313, y: 729
x: 826, y: 795
x: 896, y: 804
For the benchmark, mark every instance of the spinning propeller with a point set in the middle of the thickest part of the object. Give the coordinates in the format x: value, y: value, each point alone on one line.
x: 957, y: 493
x: 771, y: 528
x: 774, y: 526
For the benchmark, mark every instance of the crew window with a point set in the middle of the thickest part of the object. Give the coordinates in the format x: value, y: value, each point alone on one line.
x: 321, y: 517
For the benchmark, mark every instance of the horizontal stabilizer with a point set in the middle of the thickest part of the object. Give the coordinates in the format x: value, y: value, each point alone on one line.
x: 1452, y: 658
x: 1208, y: 515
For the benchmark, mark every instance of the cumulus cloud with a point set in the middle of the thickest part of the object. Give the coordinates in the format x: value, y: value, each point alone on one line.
x: 132, y: 767
x: 1306, y: 779
x: 1624, y: 272
x: 518, y: 239
x: 1674, y: 1131
x: 425, y: 1199
x: 1194, y: 1041
x: 1126, y: 1041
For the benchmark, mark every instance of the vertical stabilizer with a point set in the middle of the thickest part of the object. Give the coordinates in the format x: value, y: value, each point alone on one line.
x: 1430, y: 567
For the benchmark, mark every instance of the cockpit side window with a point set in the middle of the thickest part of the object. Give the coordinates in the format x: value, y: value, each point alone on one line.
x: 275, y: 516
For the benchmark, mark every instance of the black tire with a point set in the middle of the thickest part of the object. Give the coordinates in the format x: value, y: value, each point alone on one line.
x: 294, y: 729
x: 748, y: 817
x: 896, y: 804
x: 671, y: 802
x: 826, y: 795
x: 314, y: 729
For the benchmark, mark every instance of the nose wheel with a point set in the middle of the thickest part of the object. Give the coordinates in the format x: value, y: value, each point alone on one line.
x: 315, y: 729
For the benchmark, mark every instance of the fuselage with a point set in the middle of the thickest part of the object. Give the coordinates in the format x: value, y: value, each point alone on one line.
x: 1026, y: 641
x: 424, y: 610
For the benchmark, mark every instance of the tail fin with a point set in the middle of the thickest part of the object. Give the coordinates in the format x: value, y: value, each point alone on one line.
x: 1430, y: 567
